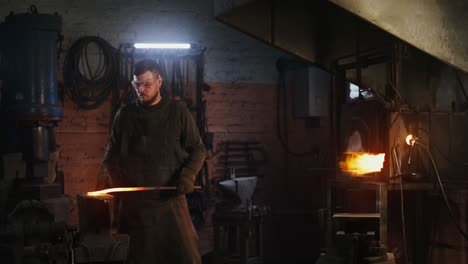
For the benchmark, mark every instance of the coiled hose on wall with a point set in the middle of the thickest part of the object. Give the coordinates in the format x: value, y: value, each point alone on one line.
x: 89, y: 86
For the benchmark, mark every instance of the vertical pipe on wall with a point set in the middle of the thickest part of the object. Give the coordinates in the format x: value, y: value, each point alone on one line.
x: 397, y: 65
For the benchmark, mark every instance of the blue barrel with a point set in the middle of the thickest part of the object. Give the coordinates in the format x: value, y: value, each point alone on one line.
x: 29, y: 66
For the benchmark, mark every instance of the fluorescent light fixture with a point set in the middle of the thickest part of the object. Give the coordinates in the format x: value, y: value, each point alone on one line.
x: 162, y: 45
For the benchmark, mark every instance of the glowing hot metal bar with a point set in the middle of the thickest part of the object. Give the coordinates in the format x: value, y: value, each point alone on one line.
x: 132, y: 189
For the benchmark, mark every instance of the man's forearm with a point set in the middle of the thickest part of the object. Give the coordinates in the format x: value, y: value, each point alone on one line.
x: 194, y: 162
x: 188, y: 173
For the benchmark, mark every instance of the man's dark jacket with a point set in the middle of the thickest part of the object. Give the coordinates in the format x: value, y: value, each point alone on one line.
x: 155, y: 145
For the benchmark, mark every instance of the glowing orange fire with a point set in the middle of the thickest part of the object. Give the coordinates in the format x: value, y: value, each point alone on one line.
x: 121, y: 189
x: 359, y: 163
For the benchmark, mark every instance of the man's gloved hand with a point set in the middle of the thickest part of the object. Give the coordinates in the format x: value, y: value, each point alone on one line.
x: 185, y: 185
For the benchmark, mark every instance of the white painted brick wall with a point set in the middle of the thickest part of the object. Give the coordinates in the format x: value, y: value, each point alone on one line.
x: 230, y: 55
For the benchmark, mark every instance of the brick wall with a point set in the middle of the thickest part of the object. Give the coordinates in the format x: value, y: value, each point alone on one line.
x: 82, y: 138
x: 292, y: 186
x: 245, y: 112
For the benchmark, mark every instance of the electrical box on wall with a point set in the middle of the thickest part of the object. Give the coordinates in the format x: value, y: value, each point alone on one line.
x: 310, y: 91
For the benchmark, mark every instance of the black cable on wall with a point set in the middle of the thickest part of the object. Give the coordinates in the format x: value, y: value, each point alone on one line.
x: 88, y: 87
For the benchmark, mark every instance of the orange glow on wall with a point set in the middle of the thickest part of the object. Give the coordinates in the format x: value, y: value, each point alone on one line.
x: 359, y: 163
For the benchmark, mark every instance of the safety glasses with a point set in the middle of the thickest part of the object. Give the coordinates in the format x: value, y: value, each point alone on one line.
x: 146, y: 84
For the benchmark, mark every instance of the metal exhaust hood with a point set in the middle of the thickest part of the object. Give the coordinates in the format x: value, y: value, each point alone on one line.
x: 436, y: 27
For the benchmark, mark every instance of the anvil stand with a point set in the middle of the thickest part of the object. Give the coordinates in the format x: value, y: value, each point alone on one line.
x: 95, y: 242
